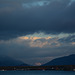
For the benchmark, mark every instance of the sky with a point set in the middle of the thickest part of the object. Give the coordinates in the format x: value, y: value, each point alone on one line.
x: 37, y: 31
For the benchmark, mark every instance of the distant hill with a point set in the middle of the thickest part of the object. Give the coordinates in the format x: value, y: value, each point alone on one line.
x: 8, y: 61
x: 66, y: 60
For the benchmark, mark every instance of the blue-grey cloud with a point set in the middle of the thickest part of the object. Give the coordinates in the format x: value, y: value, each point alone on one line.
x: 24, y: 48
x: 53, y: 17
x: 36, y: 4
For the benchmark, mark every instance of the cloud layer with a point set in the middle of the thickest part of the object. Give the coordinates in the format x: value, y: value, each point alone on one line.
x: 35, y: 4
x: 37, y: 30
x: 50, y: 16
x: 45, y: 48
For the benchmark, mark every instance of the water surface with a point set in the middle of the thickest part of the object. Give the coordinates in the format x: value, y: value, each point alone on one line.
x: 37, y: 73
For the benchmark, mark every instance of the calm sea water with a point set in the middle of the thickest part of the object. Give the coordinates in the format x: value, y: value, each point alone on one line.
x: 37, y: 73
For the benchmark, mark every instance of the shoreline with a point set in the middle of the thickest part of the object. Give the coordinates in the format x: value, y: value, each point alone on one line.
x: 43, y: 68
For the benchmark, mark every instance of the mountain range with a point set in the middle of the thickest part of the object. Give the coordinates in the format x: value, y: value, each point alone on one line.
x: 8, y: 61
x: 66, y: 60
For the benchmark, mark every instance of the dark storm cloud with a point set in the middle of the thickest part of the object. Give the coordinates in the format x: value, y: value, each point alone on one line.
x: 17, y: 20
x: 20, y: 19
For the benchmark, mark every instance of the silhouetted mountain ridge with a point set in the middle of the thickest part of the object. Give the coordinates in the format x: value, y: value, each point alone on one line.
x: 8, y: 61
x: 66, y: 60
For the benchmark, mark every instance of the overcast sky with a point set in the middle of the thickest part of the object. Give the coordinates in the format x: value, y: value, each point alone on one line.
x: 37, y: 31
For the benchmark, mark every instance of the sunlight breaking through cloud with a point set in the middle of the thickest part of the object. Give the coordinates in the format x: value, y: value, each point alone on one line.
x: 40, y: 40
x: 73, y: 43
x: 34, y: 38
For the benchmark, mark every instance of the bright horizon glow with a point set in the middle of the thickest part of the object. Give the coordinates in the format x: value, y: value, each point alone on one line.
x: 34, y: 38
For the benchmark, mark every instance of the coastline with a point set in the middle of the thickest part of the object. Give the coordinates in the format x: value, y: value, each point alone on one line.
x: 43, y: 68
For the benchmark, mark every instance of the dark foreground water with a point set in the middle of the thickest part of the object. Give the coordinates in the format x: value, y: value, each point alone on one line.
x: 37, y: 73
